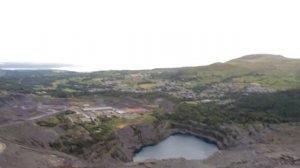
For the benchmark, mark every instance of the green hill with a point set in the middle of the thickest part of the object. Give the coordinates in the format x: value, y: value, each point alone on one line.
x: 272, y: 71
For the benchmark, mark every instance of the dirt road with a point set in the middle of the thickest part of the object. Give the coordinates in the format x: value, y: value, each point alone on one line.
x: 45, y: 115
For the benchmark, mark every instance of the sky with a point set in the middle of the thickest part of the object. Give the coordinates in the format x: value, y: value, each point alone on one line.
x: 140, y: 34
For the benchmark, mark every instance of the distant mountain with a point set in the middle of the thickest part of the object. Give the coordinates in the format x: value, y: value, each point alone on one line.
x: 32, y: 69
x: 267, y: 63
x: 262, y: 59
x: 12, y: 65
x: 259, y: 58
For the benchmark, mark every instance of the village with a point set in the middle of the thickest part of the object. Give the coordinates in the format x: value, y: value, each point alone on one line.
x: 88, y: 113
x: 202, y: 93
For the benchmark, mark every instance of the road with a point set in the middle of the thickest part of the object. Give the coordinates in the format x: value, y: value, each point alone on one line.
x: 48, y: 114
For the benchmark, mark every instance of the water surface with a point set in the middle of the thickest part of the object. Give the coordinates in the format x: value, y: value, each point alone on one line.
x: 177, y: 146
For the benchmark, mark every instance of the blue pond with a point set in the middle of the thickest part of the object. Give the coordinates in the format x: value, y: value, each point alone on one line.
x: 177, y: 146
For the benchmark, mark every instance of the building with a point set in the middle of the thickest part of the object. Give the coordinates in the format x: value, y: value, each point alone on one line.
x: 135, y: 110
x: 99, y: 109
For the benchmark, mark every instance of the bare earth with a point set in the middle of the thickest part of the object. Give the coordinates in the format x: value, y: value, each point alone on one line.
x: 2, y: 147
x: 24, y: 144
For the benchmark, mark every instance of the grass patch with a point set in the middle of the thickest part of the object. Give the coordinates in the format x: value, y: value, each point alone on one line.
x: 49, y: 122
x: 147, y: 86
x: 69, y: 90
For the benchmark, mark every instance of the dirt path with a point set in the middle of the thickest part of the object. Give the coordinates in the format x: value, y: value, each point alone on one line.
x: 2, y: 147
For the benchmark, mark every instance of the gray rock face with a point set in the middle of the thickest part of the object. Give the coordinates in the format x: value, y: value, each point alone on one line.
x: 239, y: 146
x: 126, y: 141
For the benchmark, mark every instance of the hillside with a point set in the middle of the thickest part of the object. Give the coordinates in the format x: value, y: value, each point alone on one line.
x: 248, y: 107
x: 267, y: 63
x: 259, y: 58
x: 272, y: 71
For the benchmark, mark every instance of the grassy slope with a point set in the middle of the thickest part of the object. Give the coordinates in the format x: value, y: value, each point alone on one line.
x: 272, y: 71
x: 254, y: 108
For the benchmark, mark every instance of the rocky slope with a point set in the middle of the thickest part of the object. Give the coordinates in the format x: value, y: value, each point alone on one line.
x: 251, y: 146
x: 231, y: 139
x: 244, y: 146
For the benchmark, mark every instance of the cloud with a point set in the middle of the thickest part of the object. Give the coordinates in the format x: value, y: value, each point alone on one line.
x: 138, y: 34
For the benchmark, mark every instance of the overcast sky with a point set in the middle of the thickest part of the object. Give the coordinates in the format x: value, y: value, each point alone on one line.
x: 140, y: 34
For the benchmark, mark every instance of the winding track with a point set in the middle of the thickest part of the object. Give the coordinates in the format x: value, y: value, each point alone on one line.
x: 48, y: 114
